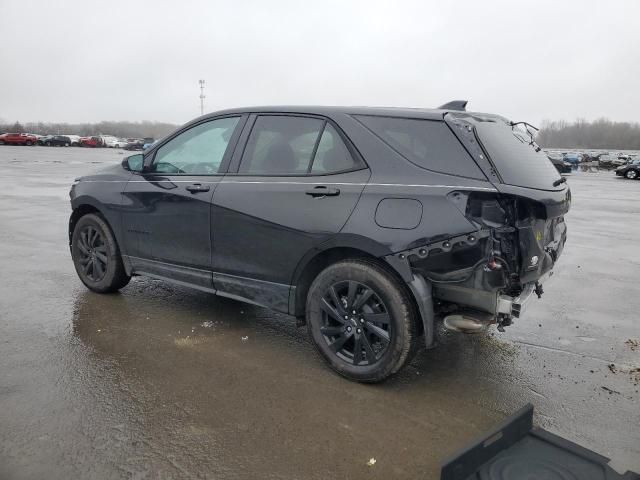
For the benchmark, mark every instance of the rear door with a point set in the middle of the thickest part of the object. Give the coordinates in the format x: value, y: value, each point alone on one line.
x: 166, y: 214
x: 292, y: 186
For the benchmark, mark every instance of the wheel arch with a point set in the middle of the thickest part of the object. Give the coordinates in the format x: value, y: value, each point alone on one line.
x: 78, y: 212
x: 85, y: 205
x: 337, y: 249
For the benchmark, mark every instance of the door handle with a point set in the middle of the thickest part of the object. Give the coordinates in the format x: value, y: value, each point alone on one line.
x: 323, y: 191
x: 198, y: 187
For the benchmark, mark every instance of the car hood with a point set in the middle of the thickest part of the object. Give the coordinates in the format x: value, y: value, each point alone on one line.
x: 110, y: 173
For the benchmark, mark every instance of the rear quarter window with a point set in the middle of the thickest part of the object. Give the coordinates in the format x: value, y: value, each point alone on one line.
x: 429, y: 144
x: 518, y: 161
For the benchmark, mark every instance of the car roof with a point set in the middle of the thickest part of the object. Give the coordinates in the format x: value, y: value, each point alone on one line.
x: 329, y: 111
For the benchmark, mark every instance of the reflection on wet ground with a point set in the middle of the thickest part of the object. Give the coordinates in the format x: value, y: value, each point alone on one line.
x: 165, y: 382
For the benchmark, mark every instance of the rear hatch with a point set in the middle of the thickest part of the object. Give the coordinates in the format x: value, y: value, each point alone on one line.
x: 526, y: 178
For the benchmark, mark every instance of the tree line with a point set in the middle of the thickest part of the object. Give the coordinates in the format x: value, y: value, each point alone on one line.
x: 599, y: 134
x: 118, y: 129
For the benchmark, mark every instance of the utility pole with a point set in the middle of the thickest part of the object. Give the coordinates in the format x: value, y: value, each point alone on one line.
x: 201, y: 96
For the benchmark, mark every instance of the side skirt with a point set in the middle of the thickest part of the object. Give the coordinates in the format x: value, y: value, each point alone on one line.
x: 263, y: 293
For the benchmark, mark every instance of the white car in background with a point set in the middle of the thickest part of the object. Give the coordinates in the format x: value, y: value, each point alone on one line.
x: 114, y: 142
x: 75, y: 140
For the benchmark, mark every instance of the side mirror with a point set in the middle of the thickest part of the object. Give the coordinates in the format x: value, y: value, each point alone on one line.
x: 134, y: 163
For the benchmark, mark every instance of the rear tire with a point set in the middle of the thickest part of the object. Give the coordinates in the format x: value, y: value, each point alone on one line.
x: 379, y: 338
x: 631, y: 174
x: 96, y: 255
x: 28, y: 143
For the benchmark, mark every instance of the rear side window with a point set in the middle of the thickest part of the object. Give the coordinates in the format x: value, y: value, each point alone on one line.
x: 289, y: 145
x: 429, y: 144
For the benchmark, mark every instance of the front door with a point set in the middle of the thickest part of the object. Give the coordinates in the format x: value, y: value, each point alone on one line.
x: 167, y: 209
x: 296, y: 184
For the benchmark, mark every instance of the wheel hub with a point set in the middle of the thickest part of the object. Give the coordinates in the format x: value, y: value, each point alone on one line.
x: 356, y: 323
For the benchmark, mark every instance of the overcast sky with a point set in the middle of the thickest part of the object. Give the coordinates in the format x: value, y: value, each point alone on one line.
x: 84, y: 60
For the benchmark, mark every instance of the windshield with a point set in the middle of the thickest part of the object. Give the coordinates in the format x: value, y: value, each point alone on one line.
x: 517, y: 158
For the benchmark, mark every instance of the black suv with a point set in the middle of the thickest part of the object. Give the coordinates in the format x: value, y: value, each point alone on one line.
x: 631, y: 170
x: 366, y: 224
x: 55, y: 141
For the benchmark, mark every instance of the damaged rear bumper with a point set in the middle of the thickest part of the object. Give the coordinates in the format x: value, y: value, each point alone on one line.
x: 494, y: 270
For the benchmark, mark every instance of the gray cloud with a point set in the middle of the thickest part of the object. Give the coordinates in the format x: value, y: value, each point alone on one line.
x: 122, y: 60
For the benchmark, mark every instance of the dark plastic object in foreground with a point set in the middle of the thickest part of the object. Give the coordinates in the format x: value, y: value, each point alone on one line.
x: 517, y: 450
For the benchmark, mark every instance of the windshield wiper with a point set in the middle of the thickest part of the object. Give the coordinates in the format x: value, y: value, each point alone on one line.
x: 529, y: 132
x: 559, y: 181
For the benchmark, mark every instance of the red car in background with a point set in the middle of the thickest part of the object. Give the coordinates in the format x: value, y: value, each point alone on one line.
x: 17, y: 139
x: 91, y: 142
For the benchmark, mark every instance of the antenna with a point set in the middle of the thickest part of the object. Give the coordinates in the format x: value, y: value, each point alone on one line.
x: 201, y: 82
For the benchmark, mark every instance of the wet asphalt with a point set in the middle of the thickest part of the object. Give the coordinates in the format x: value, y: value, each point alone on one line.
x: 164, y: 382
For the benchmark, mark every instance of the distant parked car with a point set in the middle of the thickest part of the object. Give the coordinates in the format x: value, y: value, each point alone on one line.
x: 148, y: 143
x: 572, y: 158
x: 75, y: 140
x: 630, y: 170
x: 91, y: 142
x: 42, y: 140
x: 110, y: 141
x: 561, y: 165
x: 136, y: 144
x: 17, y: 139
x: 113, y: 142
x: 57, y: 141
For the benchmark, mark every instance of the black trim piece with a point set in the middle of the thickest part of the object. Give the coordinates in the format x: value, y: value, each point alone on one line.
x: 315, y: 147
x: 259, y: 292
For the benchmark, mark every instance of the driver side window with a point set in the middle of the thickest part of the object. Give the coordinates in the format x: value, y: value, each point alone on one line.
x: 198, y: 151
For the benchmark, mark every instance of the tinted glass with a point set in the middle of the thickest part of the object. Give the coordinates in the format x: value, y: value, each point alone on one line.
x: 515, y: 158
x: 198, y: 151
x: 332, y: 154
x: 426, y: 143
x: 281, y: 145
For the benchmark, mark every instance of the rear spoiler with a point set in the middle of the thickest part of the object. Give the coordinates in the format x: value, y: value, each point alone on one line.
x: 459, y: 105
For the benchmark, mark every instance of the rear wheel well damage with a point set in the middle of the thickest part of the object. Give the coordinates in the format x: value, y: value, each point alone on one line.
x: 328, y: 257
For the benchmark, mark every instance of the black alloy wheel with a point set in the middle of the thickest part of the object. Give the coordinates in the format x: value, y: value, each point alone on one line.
x: 362, y: 319
x: 96, y: 255
x: 355, y: 322
x: 93, y: 253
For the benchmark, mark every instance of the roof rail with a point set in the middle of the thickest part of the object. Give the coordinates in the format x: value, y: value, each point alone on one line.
x: 454, y: 105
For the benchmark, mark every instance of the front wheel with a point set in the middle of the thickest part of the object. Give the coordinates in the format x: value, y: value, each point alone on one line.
x: 631, y: 174
x: 362, y: 320
x: 96, y: 255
